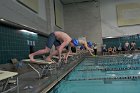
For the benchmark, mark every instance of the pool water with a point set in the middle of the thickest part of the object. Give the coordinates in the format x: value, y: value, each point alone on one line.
x: 118, y: 74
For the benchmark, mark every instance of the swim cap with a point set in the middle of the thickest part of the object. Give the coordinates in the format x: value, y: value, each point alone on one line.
x: 75, y: 42
x: 81, y: 47
x: 89, y: 43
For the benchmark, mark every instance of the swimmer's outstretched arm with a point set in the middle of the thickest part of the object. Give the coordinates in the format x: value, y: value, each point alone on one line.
x: 89, y: 49
x: 60, y: 50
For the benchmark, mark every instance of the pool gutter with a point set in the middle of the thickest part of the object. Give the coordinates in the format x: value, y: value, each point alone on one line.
x: 48, y: 88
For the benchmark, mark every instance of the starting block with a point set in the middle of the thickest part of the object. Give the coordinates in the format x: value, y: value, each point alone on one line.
x: 45, y: 66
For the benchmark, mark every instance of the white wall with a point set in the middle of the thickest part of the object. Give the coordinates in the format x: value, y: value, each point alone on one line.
x: 109, y: 19
x: 83, y: 19
x: 13, y: 11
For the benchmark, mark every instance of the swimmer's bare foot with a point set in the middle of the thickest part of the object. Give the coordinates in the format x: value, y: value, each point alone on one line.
x: 31, y: 58
x: 51, y: 61
x: 48, y: 59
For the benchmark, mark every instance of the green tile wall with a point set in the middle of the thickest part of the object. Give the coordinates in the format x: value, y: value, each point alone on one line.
x: 13, y: 43
x: 116, y: 41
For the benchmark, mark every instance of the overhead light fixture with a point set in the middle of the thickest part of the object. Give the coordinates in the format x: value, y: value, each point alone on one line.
x: 2, y: 19
x: 109, y: 37
x: 26, y: 31
x: 24, y: 28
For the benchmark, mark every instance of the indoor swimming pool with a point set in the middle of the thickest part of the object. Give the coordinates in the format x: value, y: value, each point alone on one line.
x: 114, y: 74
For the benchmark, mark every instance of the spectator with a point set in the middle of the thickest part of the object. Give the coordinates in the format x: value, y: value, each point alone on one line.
x: 126, y: 46
x: 95, y: 49
x: 104, y: 49
x: 110, y: 50
x: 132, y: 46
x: 119, y: 48
x: 114, y: 50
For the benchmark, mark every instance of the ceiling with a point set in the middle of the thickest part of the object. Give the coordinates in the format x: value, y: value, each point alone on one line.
x: 75, y: 1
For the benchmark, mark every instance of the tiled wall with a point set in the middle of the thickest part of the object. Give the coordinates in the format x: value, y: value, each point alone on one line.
x: 116, y: 41
x: 16, y: 44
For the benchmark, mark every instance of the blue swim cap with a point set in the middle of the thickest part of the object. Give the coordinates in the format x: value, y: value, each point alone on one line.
x: 81, y: 47
x: 89, y: 43
x: 75, y: 42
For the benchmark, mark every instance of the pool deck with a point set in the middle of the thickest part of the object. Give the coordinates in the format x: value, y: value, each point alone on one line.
x: 29, y: 82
